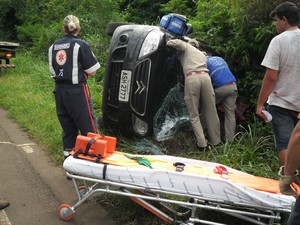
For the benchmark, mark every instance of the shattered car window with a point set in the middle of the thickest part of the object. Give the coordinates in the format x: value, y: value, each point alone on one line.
x: 172, y: 115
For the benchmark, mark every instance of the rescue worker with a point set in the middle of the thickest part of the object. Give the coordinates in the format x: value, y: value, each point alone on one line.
x: 224, y: 84
x: 198, y: 91
x: 71, y: 61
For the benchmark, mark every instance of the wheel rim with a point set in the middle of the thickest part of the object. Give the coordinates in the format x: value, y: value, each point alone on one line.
x: 65, y: 212
x: 82, y: 190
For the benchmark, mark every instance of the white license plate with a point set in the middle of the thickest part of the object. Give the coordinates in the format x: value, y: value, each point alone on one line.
x: 124, y: 88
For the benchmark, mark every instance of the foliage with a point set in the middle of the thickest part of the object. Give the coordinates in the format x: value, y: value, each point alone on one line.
x: 184, y: 7
x: 249, y: 87
x: 40, y: 22
x: 8, y: 21
x: 142, y: 11
x: 235, y: 29
x: 240, y: 31
x: 250, y: 146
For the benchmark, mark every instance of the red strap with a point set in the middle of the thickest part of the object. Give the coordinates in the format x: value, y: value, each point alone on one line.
x: 222, y: 171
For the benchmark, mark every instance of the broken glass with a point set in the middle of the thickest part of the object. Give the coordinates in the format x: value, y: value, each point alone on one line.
x: 172, y: 115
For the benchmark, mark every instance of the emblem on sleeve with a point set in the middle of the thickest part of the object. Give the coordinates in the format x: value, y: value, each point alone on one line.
x: 61, y: 57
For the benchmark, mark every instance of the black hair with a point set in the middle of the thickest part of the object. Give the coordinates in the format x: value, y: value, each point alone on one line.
x: 289, y: 10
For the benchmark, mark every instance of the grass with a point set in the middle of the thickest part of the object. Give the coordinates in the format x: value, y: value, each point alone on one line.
x: 26, y: 93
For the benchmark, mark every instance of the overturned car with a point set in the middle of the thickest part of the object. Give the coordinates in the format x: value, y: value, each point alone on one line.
x: 140, y: 72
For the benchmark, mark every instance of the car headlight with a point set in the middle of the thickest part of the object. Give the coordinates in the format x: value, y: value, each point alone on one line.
x: 140, y: 127
x: 151, y: 43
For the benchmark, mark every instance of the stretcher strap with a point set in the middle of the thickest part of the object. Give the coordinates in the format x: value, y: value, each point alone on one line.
x: 88, y: 146
x: 86, y: 152
x: 104, y: 172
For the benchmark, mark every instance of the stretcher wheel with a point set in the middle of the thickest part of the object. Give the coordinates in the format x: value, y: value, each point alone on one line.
x: 65, y: 212
x: 82, y: 190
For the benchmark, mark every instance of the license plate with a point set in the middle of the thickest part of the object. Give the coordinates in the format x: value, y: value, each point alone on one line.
x: 124, y: 88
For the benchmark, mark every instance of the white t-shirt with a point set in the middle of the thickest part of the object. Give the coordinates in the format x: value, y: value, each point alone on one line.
x: 283, y: 55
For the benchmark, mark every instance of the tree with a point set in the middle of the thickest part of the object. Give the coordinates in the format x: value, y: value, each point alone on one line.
x: 37, y: 23
x: 142, y: 11
x: 184, y: 7
x: 8, y: 20
x: 240, y: 30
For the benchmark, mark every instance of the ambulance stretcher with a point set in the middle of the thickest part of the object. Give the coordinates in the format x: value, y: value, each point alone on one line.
x: 175, y: 189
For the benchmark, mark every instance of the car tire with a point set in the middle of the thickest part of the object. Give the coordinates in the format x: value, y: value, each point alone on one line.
x: 111, y: 27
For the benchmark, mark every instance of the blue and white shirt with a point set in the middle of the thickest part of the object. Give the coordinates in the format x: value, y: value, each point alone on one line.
x: 219, y: 72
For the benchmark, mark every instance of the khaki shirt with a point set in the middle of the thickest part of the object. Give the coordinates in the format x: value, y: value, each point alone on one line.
x: 191, y: 58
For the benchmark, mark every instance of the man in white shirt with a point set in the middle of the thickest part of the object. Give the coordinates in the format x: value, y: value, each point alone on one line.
x: 280, y: 88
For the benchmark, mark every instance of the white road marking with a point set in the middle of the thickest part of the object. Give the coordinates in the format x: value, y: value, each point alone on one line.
x: 6, y: 142
x: 3, y: 218
x: 26, y: 144
x: 26, y: 147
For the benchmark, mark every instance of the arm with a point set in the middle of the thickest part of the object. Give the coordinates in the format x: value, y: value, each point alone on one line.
x: 89, y: 62
x: 289, y: 173
x: 179, y: 45
x: 269, y: 82
x: 292, y: 162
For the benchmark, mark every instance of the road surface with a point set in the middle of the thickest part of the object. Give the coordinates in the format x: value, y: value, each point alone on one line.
x: 34, y: 186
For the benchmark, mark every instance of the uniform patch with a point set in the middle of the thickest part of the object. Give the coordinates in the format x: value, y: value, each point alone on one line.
x: 61, y: 46
x: 61, y: 57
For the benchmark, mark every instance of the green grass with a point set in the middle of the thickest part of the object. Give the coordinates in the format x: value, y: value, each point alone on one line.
x: 26, y: 93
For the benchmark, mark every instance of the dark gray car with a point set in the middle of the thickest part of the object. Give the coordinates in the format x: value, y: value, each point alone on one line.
x: 140, y: 71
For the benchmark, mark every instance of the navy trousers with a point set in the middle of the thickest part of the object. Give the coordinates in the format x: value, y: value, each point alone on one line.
x: 75, y: 112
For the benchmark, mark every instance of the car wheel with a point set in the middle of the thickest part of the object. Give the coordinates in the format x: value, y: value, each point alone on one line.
x: 111, y: 27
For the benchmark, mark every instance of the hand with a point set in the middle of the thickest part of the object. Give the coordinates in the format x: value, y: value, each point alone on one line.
x: 167, y: 37
x: 259, y: 112
x: 286, y: 183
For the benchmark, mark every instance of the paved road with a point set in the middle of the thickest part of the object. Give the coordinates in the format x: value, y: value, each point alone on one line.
x: 34, y: 186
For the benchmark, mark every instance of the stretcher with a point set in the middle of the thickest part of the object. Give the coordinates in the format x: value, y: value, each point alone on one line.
x: 175, y: 189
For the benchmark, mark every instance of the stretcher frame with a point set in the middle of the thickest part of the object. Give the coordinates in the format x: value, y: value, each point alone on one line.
x: 160, y: 204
